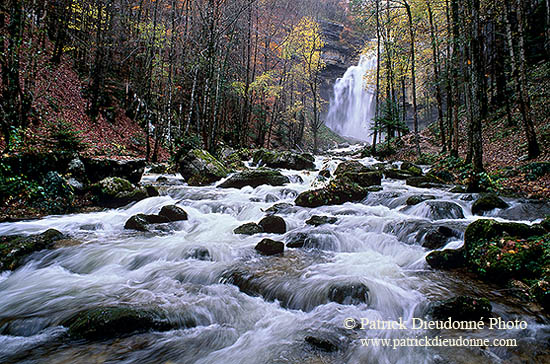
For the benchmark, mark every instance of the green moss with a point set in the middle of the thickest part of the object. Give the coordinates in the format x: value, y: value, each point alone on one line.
x: 218, y: 169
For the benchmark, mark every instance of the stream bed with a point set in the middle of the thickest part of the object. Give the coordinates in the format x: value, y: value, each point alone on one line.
x: 189, y: 271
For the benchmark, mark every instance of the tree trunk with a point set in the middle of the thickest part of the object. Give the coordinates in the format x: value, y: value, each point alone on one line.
x: 413, y: 80
x: 435, y: 54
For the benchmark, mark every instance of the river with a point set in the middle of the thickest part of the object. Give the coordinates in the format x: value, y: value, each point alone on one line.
x: 182, y: 269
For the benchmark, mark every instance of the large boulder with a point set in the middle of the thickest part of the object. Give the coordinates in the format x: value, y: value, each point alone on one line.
x: 411, y: 168
x: 98, y: 169
x: 440, y: 210
x: 488, y: 229
x: 270, y: 247
x: 462, y: 308
x: 113, y: 322
x: 14, y: 249
x: 116, y: 192
x: 337, y: 192
x: 286, y: 160
x: 396, y: 174
x: 488, y: 202
x: 363, y: 179
x: 173, y: 213
x: 255, y: 178
x: 200, y: 168
x: 273, y: 224
x: 427, y: 181
x: 250, y: 228
x: 352, y: 166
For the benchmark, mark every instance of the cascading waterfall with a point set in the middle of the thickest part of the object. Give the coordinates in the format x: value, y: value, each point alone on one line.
x: 353, y: 105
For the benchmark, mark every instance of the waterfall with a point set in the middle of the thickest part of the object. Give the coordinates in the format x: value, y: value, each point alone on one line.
x: 353, y: 104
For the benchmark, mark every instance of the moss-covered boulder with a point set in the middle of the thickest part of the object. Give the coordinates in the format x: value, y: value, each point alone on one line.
x: 250, y: 228
x: 427, y: 181
x: 352, y: 167
x: 397, y: 174
x: 116, y: 192
x: 113, y: 322
x: 337, y: 192
x: 363, y: 179
x: 411, y: 168
x: 200, y: 168
x: 462, y: 308
x: 488, y: 229
x: 488, y: 202
x: 255, y: 178
x: 286, y: 160
x: 14, y: 249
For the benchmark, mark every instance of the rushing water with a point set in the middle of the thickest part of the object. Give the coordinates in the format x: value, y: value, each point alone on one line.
x: 353, y: 104
x: 374, y: 242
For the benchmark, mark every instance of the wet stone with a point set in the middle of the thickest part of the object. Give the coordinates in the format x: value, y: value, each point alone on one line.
x: 273, y: 224
x: 270, y: 247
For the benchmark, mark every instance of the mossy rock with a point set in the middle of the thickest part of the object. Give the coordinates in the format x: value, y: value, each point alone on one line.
x: 462, y: 308
x: 488, y: 229
x: 397, y: 174
x: 352, y: 167
x: 337, y: 192
x: 488, y: 202
x: 200, y: 168
x: 411, y: 168
x: 117, y: 192
x: 363, y: 179
x: 255, y: 178
x: 14, y: 249
x: 427, y: 181
x: 113, y: 322
x: 321, y: 220
x: 286, y: 160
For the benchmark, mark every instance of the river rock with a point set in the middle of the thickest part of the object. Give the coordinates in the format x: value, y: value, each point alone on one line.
x: 440, y: 210
x: 113, y: 322
x: 437, y: 237
x: 446, y: 259
x: 117, y: 192
x: 488, y: 229
x: 411, y: 168
x: 140, y: 222
x: 173, y: 213
x: 98, y: 169
x: 488, y: 202
x: 255, y: 178
x: 281, y: 208
x: 250, y: 228
x: 321, y: 220
x: 336, y: 193
x: 286, y: 160
x: 424, y: 182
x: 200, y: 168
x: 351, y: 167
x: 270, y: 247
x: 297, y: 240
x: 273, y: 224
x: 415, y: 200
x: 348, y: 293
x: 526, y: 210
x: 14, y: 249
x: 397, y: 174
x: 462, y: 308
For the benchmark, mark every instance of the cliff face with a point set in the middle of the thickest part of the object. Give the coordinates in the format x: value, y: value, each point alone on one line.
x: 340, y: 52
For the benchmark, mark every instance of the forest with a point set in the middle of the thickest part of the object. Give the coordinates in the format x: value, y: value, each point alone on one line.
x: 257, y: 181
